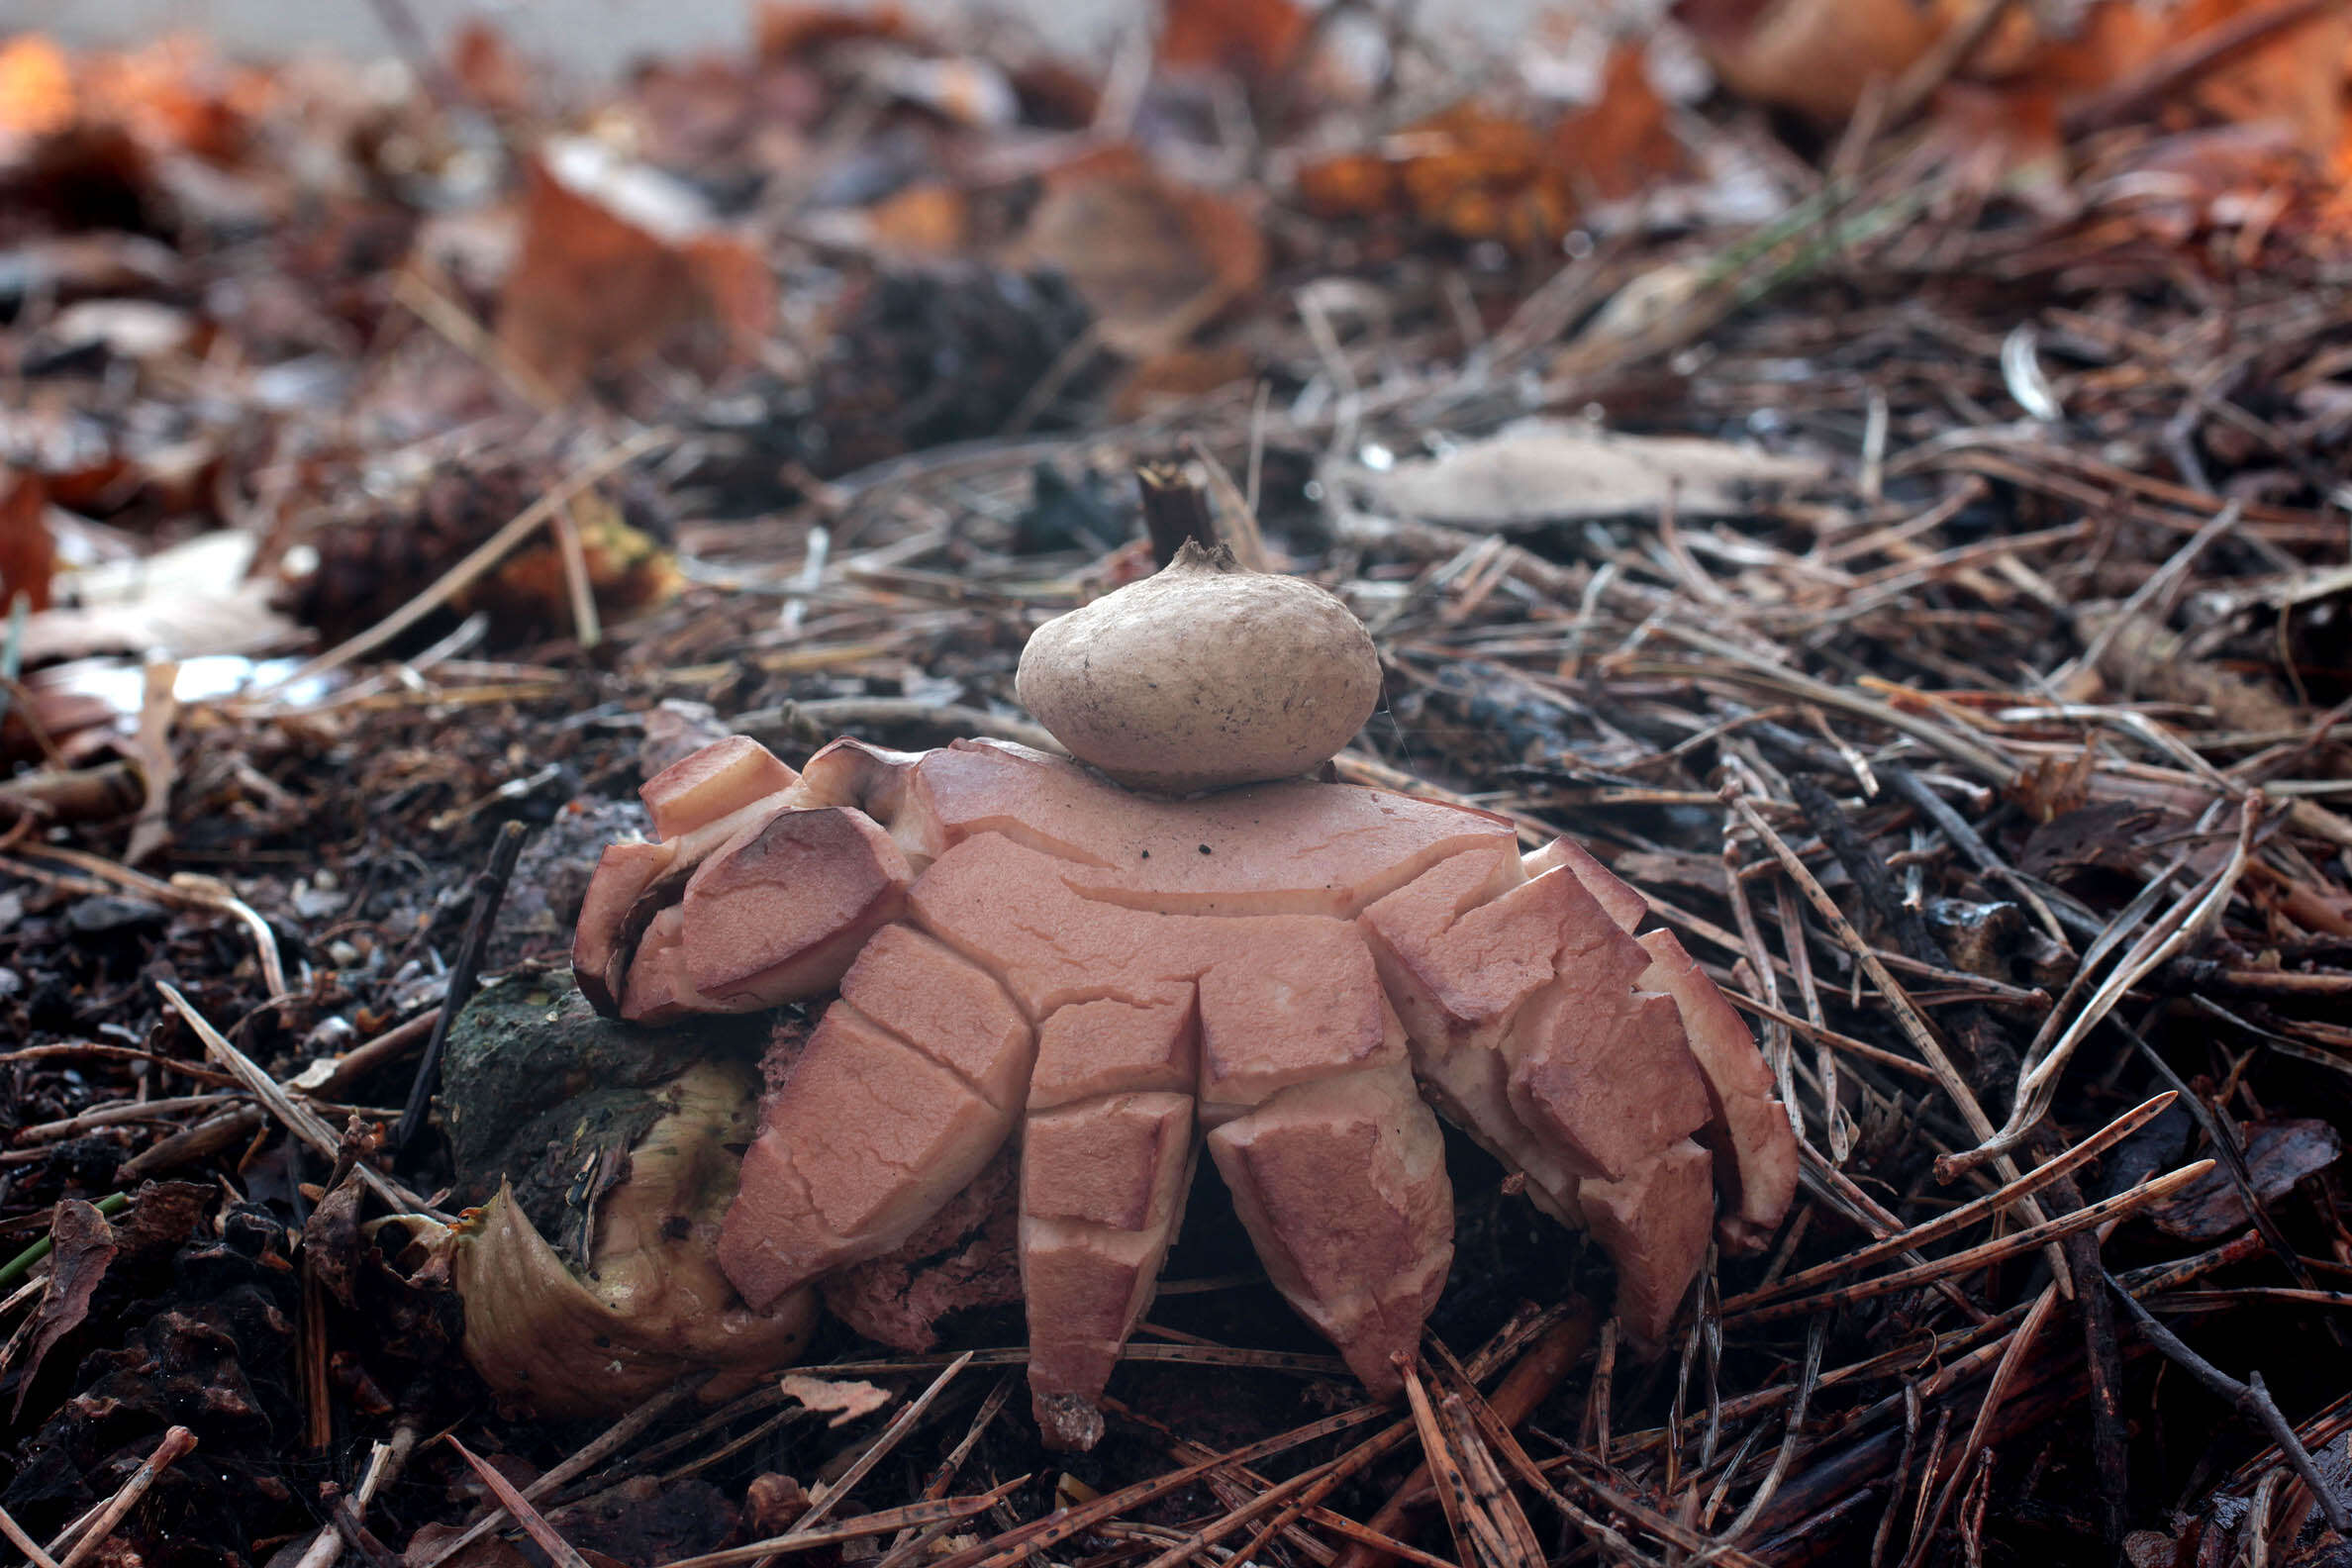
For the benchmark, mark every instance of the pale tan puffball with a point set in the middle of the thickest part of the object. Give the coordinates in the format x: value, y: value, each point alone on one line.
x: 1204, y: 676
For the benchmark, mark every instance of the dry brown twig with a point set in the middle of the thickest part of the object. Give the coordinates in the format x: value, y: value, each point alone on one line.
x: 2249, y: 1399
x: 90, y: 1531
x: 297, y: 1118
x: 611, y: 1441
x: 509, y: 1497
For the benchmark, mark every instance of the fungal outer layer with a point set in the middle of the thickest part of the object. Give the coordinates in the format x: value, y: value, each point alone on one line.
x: 1291, y: 974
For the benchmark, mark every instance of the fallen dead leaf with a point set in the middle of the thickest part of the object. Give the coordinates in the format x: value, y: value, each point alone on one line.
x: 163, y: 1215
x: 2294, y: 79
x: 1254, y: 40
x: 1152, y: 258
x: 2278, y: 1154
x: 330, y: 1237
x: 1547, y: 470
x: 486, y: 65
x: 1055, y: 95
x: 37, y: 94
x: 920, y: 221
x: 28, y: 550
x: 2147, y: 659
x: 2053, y: 786
x: 2114, y: 38
x: 79, y: 725
x: 848, y: 1399
x: 84, y: 1246
x: 1349, y: 185
x: 510, y: 1496
x: 1816, y: 57
x: 2219, y: 178
x: 712, y: 111
x: 1623, y: 142
x: 176, y: 95
x: 736, y: 285
x: 2071, y: 839
x: 617, y: 261
x: 1479, y: 174
x: 1470, y: 171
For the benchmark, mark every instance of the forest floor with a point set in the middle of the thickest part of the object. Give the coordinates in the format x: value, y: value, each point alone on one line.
x: 1892, y: 507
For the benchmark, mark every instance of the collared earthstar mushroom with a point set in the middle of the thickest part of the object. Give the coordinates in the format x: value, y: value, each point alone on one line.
x: 1299, y: 975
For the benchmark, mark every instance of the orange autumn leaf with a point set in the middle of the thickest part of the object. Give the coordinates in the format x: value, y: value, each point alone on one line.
x: 488, y: 68
x: 176, y: 94
x: 2113, y: 39
x: 922, y: 220
x: 1225, y: 234
x: 2018, y: 37
x: 37, y: 94
x: 589, y: 291
x: 1623, y: 142
x: 1350, y: 185
x: 1814, y: 56
x: 1477, y: 173
x: 173, y: 94
x: 1469, y: 144
x: 1470, y: 171
x: 2293, y: 79
x: 1255, y: 40
x: 737, y: 291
